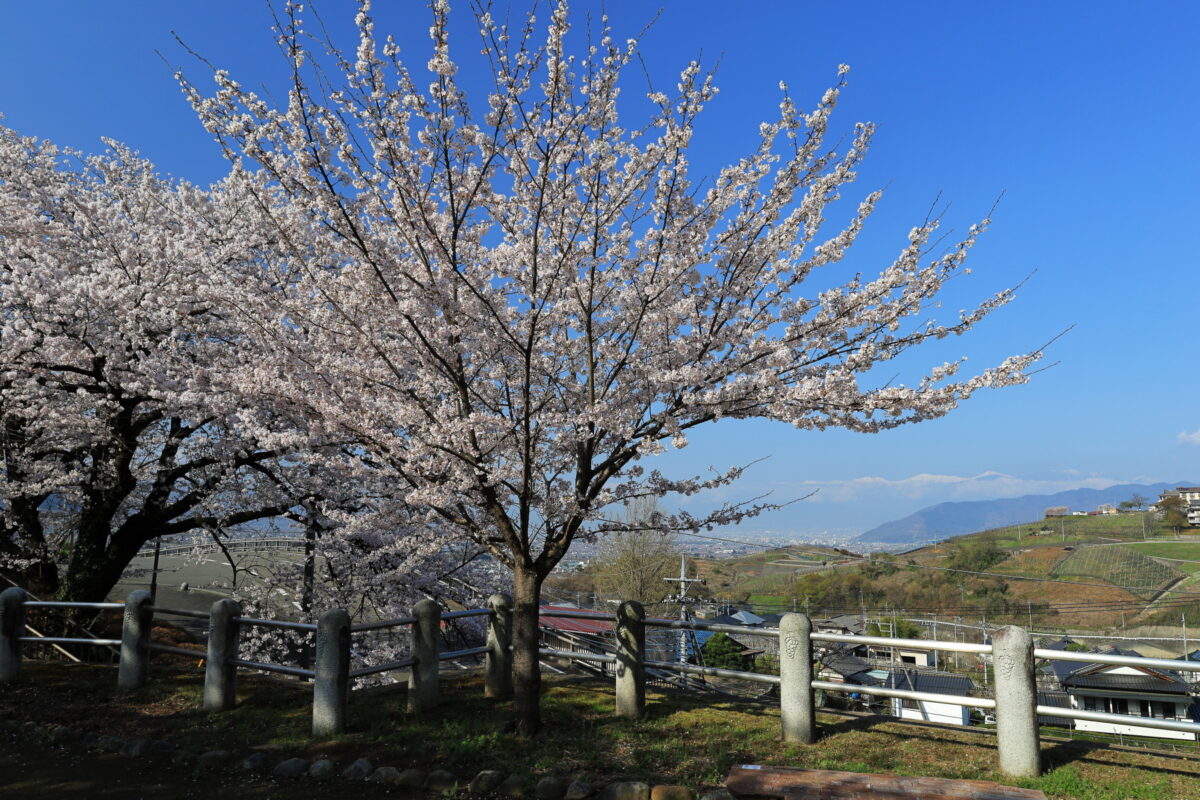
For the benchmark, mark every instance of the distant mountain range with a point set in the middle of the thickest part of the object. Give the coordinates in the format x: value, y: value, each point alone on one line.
x: 955, y: 519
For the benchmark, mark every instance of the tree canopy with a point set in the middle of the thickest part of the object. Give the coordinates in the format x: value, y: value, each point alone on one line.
x: 509, y: 305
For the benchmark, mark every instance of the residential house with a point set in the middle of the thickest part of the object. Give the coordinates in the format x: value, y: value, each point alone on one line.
x: 917, y: 680
x: 844, y: 624
x: 839, y: 665
x: 1118, y: 689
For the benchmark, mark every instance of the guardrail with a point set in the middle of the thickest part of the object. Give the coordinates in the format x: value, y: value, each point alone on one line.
x: 331, y: 674
x: 1012, y: 651
x: 231, y: 545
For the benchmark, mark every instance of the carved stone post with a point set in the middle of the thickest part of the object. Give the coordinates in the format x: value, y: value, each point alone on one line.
x: 631, y: 658
x: 498, y: 665
x: 135, y: 640
x: 427, y: 631
x: 220, y: 676
x: 797, y: 710
x: 1016, y: 703
x: 331, y: 686
x: 12, y: 628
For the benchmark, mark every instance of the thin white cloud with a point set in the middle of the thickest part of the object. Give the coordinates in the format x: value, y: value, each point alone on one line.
x: 1190, y: 438
x: 985, y: 485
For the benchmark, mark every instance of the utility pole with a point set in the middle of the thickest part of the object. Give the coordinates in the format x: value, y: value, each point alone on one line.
x: 684, y: 601
x: 1183, y: 627
x: 1029, y: 608
x: 957, y: 655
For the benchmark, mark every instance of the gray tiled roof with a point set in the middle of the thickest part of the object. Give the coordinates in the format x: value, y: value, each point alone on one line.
x: 845, y: 664
x: 914, y: 680
x: 1058, y: 700
x: 1168, y: 684
x: 1076, y: 675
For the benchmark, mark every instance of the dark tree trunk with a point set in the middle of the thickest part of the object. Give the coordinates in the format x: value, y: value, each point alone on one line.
x: 527, y: 675
x: 97, y: 562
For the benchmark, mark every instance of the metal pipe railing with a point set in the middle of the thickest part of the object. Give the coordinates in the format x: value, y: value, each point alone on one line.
x: 1116, y: 660
x: 716, y: 672
x: 470, y: 612
x: 179, y: 612
x: 67, y: 640
x: 906, y: 694
x: 603, y: 658
x: 1129, y: 720
x: 470, y: 651
x: 715, y: 627
x: 388, y: 667
x: 281, y: 668
x: 572, y: 613
x: 71, y: 604
x: 384, y: 623
x: 308, y: 627
x: 916, y: 644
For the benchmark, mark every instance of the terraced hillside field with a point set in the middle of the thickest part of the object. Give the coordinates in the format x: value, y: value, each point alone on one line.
x: 1120, y: 566
x: 1037, y: 562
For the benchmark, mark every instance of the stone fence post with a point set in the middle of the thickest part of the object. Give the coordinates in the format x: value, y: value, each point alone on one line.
x: 220, y: 676
x: 797, y: 710
x: 331, y: 687
x: 631, y: 659
x: 12, y: 628
x: 498, y: 661
x: 427, y: 633
x: 135, y: 640
x: 1016, y: 703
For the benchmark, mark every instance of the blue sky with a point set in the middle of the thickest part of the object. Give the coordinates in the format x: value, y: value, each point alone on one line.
x: 1083, y: 114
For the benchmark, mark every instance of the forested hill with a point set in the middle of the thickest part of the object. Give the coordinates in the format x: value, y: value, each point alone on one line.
x: 954, y: 519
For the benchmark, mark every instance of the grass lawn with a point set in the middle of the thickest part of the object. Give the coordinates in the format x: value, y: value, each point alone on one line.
x: 1074, y: 530
x: 682, y: 739
x: 1188, y: 551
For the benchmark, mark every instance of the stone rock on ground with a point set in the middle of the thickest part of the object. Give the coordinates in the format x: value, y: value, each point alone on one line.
x: 626, y: 790
x: 359, y: 770
x: 291, y: 768
x: 441, y: 781
x: 384, y: 775
x: 321, y: 769
x: 718, y: 794
x: 486, y: 781
x: 513, y: 786
x: 581, y: 790
x: 256, y: 762
x: 671, y: 792
x: 550, y: 788
x: 183, y: 757
x: 411, y: 778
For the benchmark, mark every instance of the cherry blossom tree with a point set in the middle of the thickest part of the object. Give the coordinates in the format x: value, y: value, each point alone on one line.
x: 509, y: 306
x: 111, y: 433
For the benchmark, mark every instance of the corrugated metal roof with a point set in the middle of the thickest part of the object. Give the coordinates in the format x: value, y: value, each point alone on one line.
x: 547, y: 619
